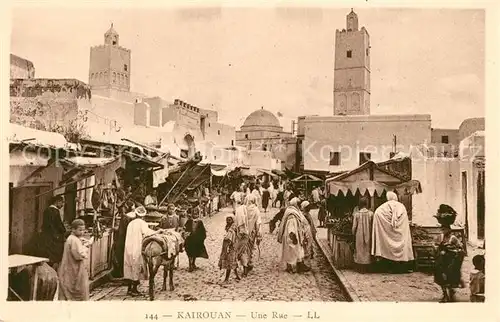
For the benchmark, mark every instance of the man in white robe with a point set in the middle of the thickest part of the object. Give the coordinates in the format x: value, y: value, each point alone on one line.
x: 134, y: 268
x: 254, y: 227
x: 391, y: 237
x: 293, y: 237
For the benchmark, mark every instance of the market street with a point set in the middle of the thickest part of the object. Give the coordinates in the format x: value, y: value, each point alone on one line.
x: 267, y: 282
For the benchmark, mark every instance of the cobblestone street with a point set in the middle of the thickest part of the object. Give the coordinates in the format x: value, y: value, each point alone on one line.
x: 267, y: 282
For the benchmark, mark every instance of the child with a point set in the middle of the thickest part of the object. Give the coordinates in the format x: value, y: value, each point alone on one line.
x: 477, y: 279
x: 228, y: 260
x: 73, y: 275
x: 322, y: 212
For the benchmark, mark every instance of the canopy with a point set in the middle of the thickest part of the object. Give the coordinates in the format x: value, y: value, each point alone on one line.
x: 405, y: 188
x: 20, y: 134
x: 91, y: 162
x: 306, y: 178
x: 269, y: 173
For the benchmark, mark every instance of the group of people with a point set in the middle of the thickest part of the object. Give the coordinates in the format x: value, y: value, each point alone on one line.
x: 133, y: 229
x: 296, y: 232
x: 384, y: 236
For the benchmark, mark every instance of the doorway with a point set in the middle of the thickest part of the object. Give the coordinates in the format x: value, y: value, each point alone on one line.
x: 480, y: 205
x: 464, y: 202
x: 26, y: 215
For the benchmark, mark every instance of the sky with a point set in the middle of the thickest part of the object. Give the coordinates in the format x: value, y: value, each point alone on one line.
x: 236, y: 60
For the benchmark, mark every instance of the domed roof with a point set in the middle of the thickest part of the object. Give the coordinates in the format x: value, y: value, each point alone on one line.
x: 262, y: 117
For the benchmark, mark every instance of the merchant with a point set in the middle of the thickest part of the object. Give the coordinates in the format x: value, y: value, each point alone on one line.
x: 391, y: 237
x: 53, y: 232
x: 134, y: 268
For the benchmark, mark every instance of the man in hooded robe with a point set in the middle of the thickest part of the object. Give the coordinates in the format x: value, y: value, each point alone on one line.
x: 242, y: 244
x: 305, y: 206
x: 292, y: 235
x: 391, y: 237
x: 254, y: 227
x: 133, y: 264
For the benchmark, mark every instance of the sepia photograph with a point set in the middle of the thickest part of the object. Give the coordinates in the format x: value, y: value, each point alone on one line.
x: 278, y: 153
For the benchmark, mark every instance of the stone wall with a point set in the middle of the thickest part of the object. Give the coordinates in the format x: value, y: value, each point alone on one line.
x: 49, y: 104
x: 21, y: 68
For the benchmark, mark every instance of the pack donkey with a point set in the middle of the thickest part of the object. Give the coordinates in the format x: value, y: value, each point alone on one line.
x: 162, y: 250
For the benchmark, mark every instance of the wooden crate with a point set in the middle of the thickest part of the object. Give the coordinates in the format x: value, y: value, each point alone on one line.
x: 343, y: 255
x: 424, y: 257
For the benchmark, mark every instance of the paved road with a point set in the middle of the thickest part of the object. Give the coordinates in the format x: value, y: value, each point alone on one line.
x: 267, y: 282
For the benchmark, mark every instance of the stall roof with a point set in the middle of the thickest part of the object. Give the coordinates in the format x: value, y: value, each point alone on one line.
x: 306, y: 177
x: 362, y: 186
x: 141, y: 159
x: 24, y: 135
x: 377, y: 174
x: 91, y: 162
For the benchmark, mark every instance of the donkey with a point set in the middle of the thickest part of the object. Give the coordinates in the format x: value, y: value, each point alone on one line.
x: 162, y: 250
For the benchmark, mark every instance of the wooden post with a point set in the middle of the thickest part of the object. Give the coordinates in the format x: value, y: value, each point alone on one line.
x: 182, y: 191
x: 175, y: 184
x: 114, y: 212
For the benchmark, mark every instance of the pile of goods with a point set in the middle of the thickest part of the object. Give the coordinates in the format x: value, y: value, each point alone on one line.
x: 421, y: 236
x: 341, y: 226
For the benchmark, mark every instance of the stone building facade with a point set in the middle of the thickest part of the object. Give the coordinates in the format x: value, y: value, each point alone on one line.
x: 262, y: 131
x: 21, y: 68
x: 339, y: 143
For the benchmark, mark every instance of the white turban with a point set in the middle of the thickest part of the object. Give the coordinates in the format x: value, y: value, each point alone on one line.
x: 140, y: 211
x: 131, y: 214
x: 294, y: 201
x: 391, y: 196
x: 304, y: 204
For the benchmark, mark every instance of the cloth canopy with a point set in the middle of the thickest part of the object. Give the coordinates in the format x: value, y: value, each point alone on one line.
x: 334, y: 187
x: 91, y: 162
x: 22, y: 134
x: 219, y: 173
x: 306, y: 177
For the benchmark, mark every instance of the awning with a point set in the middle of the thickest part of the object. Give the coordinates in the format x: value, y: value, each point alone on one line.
x: 264, y: 171
x: 335, y: 187
x: 91, y: 162
x: 219, y: 173
x: 24, y: 135
x: 252, y: 172
x: 142, y: 160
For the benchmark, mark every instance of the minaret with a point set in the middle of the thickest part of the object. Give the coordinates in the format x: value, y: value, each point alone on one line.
x: 351, y: 92
x: 110, y: 64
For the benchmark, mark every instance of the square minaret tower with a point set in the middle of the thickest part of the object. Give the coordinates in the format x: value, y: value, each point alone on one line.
x: 110, y: 64
x: 351, y: 92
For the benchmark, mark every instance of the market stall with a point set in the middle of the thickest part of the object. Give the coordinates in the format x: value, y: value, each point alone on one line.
x: 307, y: 182
x: 344, y: 192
